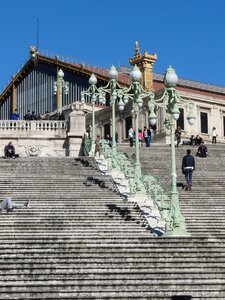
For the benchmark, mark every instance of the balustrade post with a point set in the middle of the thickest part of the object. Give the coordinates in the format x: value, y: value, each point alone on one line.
x: 76, y: 129
x: 33, y: 126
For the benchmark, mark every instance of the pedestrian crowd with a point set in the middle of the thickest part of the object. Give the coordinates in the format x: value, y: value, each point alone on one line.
x: 146, y: 135
x: 31, y: 116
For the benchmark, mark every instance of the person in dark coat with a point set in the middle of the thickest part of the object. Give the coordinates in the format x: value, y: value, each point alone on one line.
x: 33, y: 116
x: 202, y: 150
x: 9, y: 150
x: 147, y: 136
x: 192, y: 140
x: 28, y: 116
x: 198, y: 140
x: 188, y: 166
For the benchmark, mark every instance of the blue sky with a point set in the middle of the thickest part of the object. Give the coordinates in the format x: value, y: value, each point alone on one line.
x: 187, y: 34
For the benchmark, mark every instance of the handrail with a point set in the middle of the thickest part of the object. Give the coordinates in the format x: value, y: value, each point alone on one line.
x: 150, y: 184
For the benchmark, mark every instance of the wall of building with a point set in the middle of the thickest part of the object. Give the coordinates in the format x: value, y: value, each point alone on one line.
x: 212, y: 106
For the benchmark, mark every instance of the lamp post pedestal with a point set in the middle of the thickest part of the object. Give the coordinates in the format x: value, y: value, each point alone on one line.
x: 175, y: 222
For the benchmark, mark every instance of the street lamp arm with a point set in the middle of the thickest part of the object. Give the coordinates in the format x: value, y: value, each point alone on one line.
x: 160, y: 102
x: 114, y: 87
x: 92, y: 90
x: 184, y: 103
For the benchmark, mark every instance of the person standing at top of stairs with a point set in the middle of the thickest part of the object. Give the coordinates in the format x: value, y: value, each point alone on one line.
x: 214, y: 135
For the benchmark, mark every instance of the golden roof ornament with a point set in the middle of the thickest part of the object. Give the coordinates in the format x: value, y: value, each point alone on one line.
x: 137, y: 51
x: 145, y: 63
x: 141, y: 58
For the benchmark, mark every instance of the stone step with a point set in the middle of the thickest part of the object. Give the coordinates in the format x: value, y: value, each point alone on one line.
x: 81, y: 241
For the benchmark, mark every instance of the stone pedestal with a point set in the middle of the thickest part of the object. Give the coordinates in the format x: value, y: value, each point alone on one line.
x: 76, y: 129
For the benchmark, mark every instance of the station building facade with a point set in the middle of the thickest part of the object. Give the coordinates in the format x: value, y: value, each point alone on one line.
x: 32, y: 89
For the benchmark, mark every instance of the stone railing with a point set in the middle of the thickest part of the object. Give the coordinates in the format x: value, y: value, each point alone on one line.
x: 41, y: 125
x: 45, y: 137
x: 86, y: 145
x: 146, y: 190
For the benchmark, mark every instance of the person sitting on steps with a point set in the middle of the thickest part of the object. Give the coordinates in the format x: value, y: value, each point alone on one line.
x: 202, y: 150
x: 192, y: 140
x: 9, y: 206
x: 9, y: 151
x: 198, y: 140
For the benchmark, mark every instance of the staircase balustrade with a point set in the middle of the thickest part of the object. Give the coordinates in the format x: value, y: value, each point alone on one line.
x: 148, y: 185
x: 86, y: 145
x: 42, y: 125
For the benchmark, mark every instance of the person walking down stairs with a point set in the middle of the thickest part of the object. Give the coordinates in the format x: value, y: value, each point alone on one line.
x: 188, y: 166
x: 9, y: 206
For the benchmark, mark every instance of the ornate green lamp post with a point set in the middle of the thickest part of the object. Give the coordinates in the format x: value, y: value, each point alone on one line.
x: 135, y: 94
x: 95, y: 94
x: 121, y: 96
x: 171, y: 101
x: 113, y: 88
x: 138, y: 93
x: 62, y: 86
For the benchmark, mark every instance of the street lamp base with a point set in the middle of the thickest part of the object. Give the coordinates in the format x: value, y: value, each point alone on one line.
x: 176, y: 232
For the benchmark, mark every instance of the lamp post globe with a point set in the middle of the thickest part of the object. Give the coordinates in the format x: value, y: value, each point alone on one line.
x: 170, y: 78
x: 113, y: 72
x: 121, y: 105
x: 191, y: 118
x: 135, y: 74
x: 152, y: 118
x: 60, y: 73
x: 92, y: 80
x: 175, y: 113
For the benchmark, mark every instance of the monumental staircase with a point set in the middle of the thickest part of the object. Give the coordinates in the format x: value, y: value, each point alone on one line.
x: 80, y: 239
x: 203, y: 206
